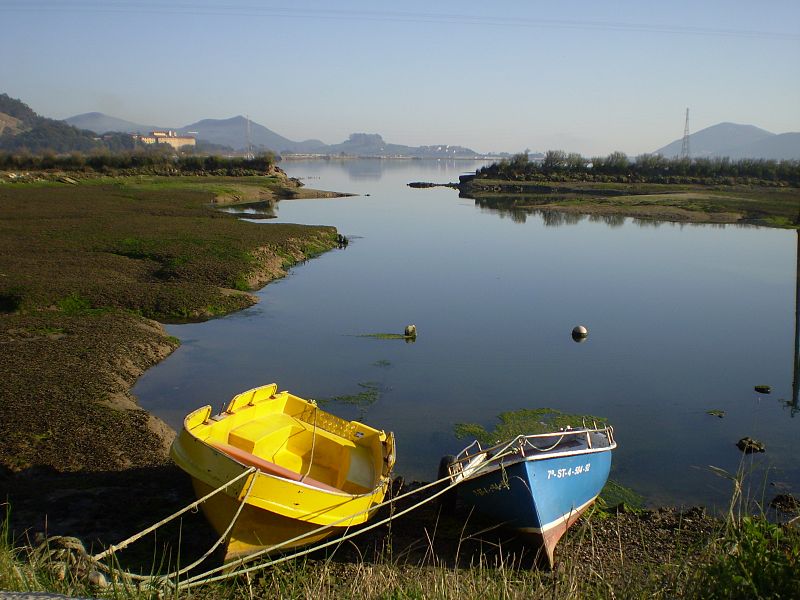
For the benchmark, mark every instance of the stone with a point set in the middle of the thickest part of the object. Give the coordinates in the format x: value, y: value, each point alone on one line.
x: 97, y: 579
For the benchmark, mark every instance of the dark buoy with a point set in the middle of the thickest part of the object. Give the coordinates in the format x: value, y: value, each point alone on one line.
x: 580, y: 333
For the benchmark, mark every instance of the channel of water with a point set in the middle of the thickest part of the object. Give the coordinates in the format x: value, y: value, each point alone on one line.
x: 682, y: 319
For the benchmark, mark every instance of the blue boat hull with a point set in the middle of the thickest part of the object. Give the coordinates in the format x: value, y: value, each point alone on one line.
x: 540, y: 497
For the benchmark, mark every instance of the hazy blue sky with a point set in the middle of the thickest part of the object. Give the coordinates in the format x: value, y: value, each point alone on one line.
x: 585, y: 76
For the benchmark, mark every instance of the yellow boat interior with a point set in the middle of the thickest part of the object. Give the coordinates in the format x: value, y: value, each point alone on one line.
x: 289, y: 437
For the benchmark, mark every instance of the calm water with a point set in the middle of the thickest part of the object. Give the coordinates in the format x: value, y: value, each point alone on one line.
x: 682, y: 320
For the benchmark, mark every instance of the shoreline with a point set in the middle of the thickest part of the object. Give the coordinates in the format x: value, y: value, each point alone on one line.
x: 95, y: 504
x: 78, y: 444
x: 776, y: 206
x: 89, y: 338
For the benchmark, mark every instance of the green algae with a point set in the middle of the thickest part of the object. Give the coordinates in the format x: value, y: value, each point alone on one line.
x: 616, y: 496
x: 371, y: 392
x: 524, y: 421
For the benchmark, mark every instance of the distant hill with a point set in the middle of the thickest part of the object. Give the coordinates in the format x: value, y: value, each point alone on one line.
x: 100, y: 123
x: 18, y: 110
x: 737, y: 141
x: 784, y: 146
x: 23, y: 129
x: 372, y: 144
x: 233, y: 132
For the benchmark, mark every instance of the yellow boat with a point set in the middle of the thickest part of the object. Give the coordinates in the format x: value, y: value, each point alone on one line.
x: 313, y: 469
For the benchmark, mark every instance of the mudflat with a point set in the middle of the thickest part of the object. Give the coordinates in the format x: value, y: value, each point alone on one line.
x: 87, y: 274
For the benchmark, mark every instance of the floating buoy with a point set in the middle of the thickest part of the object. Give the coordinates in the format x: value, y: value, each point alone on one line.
x: 411, y: 331
x: 580, y: 333
x: 763, y: 389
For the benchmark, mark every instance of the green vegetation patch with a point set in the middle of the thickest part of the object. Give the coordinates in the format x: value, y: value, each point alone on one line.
x: 371, y: 392
x: 524, y: 422
x: 80, y: 265
x: 386, y: 336
x: 761, y: 192
x: 616, y: 495
x: 167, y: 254
x: 716, y: 413
x: 753, y: 559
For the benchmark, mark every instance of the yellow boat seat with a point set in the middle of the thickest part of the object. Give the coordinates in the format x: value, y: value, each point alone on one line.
x: 265, y: 466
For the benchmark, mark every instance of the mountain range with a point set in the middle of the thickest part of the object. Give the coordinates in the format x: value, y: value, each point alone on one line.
x: 724, y: 139
x: 237, y: 131
x: 21, y: 129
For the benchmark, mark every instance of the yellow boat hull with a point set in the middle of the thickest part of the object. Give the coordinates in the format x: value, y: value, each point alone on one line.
x: 255, y: 529
x: 315, y: 474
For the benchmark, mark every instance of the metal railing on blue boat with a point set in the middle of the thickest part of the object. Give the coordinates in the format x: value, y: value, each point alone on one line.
x: 472, y: 460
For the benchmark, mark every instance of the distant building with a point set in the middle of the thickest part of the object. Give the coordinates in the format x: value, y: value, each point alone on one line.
x: 167, y: 137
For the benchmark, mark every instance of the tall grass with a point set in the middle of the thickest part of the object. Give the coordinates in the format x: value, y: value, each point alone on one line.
x: 741, y: 556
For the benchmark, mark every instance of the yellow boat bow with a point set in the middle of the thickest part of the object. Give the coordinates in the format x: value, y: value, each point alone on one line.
x: 314, y: 469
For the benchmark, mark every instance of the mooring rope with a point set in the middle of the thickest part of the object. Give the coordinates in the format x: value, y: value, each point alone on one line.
x: 221, y: 539
x: 204, y: 578
x: 166, y: 579
x: 125, y: 543
x: 313, y: 443
x: 208, y: 576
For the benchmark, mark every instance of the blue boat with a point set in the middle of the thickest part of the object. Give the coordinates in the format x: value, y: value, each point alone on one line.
x: 537, y: 484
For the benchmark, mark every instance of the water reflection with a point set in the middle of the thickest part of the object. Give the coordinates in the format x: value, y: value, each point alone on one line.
x: 519, y: 208
x: 374, y: 169
x: 553, y: 217
x: 253, y: 210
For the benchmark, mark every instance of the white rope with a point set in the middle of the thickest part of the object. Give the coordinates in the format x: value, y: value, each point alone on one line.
x: 166, y: 579
x: 204, y: 578
x: 532, y: 445
x: 113, y: 548
x: 313, y: 444
x: 242, y: 504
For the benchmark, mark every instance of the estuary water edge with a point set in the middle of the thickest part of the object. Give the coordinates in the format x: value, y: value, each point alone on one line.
x: 682, y: 320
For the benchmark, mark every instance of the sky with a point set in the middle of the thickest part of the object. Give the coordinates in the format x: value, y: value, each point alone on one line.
x: 581, y: 76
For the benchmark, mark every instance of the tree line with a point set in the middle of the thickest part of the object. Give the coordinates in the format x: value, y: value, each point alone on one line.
x: 645, y: 167
x: 151, y: 160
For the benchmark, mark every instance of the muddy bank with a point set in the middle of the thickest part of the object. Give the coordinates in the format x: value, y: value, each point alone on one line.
x: 87, y: 272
